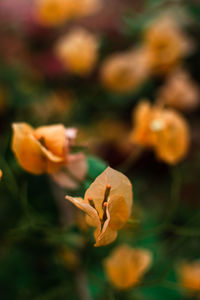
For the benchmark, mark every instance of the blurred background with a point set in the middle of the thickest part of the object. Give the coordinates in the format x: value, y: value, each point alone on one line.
x: 89, y: 64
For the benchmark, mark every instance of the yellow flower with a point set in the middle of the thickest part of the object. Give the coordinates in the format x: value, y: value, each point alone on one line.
x: 126, y: 266
x: 107, y: 204
x: 164, y: 130
x: 189, y: 274
x: 167, y: 45
x: 180, y: 92
x: 54, y: 12
x: 124, y: 72
x: 78, y: 51
x: 41, y: 150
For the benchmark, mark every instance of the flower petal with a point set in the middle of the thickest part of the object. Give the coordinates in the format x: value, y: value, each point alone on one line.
x: 27, y: 149
x: 120, y: 185
x: 73, y: 173
x: 119, y: 212
x: 53, y: 138
x: 87, y: 208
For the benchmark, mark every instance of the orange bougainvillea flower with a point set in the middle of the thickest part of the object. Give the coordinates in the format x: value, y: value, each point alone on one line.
x: 46, y: 150
x: 107, y: 204
x: 54, y: 12
x: 164, y: 130
x: 124, y: 72
x: 167, y: 45
x: 189, y: 274
x: 78, y: 51
x: 125, y: 266
x: 41, y: 150
x: 180, y: 92
x: 86, y: 7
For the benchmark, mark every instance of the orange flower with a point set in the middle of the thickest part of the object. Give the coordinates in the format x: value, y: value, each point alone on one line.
x: 107, y: 204
x: 46, y: 150
x: 180, y: 92
x: 124, y: 72
x: 78, y: 51
x: 189, y: 274
x: 125, y: 266
x: 167, y: 45
x: 54, y: 12
x: 86, y: 7
x: 164, y: 130
x: 41, y: 150
x: 1, y: 174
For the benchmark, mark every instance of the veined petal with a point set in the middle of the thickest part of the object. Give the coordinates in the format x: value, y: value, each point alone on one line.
x: 53, y: 138
x: 27, y: 149
x: 87, y: 208
x: 119, y: 212
x: 106, y: 237
x: 120, y: 185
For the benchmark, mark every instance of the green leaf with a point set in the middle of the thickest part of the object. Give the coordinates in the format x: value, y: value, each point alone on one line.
x: 95, y: 166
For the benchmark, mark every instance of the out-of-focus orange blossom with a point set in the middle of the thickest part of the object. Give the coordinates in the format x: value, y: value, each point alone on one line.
x: 54, y: 12
x: 167, y: 45
x: 189, y: 276
x: 1, y: 174
x: 41, y: 150
x: 78, y: 51
x: 107, y: 204
x: 180, y: 92
x: 47, y: 150
x: 86, y: 7
x: 163, y: 130
x: 124, y: 72
x: 126, y: 266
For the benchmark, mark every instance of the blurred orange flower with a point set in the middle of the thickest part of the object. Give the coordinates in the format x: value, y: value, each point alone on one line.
x: 41, y: 150
x: 180, y: 92
x: 86, y: 7
x: 167, y: 45
x: 189, y: 274
x: 78, y: 51
x: 164, y: 130
x: 56, y: 12
x: 53, y: 12
x: 124, y: 72
x: 125, y: 266
x: 1, y: 174
x: 107, y: 204
x: 47, y: 150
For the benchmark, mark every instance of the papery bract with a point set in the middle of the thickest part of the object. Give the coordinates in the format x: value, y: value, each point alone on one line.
x: 189, y: 275
x: 126, y: 266
x: 107, y: 204
x: 163, y: 130
x: 53, y: 12
x: 167, y: 45
x: 180, y: 92
x: 41, y: 150
x: 78, y: 51
x: 124, y: 72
